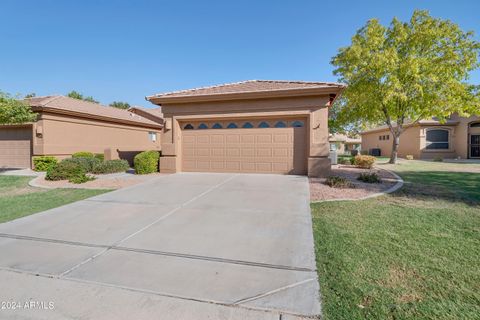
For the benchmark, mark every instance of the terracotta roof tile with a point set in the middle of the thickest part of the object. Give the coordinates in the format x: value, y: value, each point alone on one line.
x: 63, y: 103
x: 249, y: 86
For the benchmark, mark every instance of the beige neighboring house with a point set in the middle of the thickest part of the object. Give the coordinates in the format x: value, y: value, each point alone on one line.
x: 154, y: 114
x: 344, y: 144
x: 256, y: 126
x: 65, y: 125
x: 458, y: 137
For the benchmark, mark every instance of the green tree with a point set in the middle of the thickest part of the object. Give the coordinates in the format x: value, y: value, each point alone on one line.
x: 14, y: 111
x: 120, y: 105
x: 408, y: 71
x: 30, y: 95
x: 77, y: 95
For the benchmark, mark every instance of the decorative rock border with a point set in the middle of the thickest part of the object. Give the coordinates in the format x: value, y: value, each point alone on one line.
x: 399, y: 183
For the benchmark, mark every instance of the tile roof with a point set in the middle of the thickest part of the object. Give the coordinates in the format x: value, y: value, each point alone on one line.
x: 62, y: 103
x: 249, y: 86
x: 156, y: 112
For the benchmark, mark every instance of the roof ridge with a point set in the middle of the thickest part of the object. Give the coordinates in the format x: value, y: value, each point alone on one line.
x: 204, y: 87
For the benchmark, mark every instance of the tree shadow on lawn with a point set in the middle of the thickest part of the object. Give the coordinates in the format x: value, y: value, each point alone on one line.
x: 440, y: 185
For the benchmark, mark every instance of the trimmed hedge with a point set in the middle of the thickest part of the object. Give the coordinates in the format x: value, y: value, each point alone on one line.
x: 88, y: 164
x: 99, y: 156
x: 146, y: 162
x: 67, y: 170
x: 365, y: 162
x: 83, y: 154
x: 111, y: 166
x: 43, y: 163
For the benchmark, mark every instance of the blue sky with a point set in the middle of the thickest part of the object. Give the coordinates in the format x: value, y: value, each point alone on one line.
x: 125, y: 50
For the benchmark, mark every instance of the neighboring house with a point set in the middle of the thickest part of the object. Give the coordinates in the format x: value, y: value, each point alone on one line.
x: 66, y: 125
x: 458, y: 137
x: 344, y: 144
x: 256, y: 126
x: 154, y: 114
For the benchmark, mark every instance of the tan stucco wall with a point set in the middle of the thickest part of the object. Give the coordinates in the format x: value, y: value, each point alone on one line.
x: 312, y: 108
x: 413, y: 140
x: 61, y: 135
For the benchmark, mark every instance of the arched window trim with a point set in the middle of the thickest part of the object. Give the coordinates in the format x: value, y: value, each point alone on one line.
x: 188, y: 126
x: 217, y: 126
x: 297, y: 124
x: 280, y: 124
x: 263, y: 124
x: 202, y: 126
x: 247, y: 125
x: 232, y: 125
x: 437, y: 145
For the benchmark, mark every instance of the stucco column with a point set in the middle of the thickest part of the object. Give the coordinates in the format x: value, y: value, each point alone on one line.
x: 318, y: 162
x: 169, y: 161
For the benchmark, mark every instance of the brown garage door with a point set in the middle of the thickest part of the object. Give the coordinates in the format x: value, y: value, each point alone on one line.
x: 255, y: 147
x: 15, y: 147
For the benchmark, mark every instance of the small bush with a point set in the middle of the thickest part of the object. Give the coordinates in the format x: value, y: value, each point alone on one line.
x: 88, y: 164
x: 83, y: 154
x: 344, y: 160
x: 111, y: 166
x: 438, y: 159
x: 369, y: 177
x: 352, y: 161
x: 365, y: 162
x: 409, y: 157
x: 338, y: 182
x: 146, y: 162
x: 67, y: 170
x: 99, y: 156
x: 44, y: 163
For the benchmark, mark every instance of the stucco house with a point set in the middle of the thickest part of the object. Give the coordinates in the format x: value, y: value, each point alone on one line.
x: 344, y: 144
x: 257, y: 126
x: 458, y: 137
x: 65, y: 125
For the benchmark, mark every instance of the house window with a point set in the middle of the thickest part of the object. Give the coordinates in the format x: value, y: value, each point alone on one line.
x: 152, y: 136
x: 297, y: 124
x: 388, y: 136
x: 217, y: 126
x: 280, y: 124
x: 437, y: 139
x: 263, y: 124
x: 380, y: 137
x: 247, y: 125
x: 232, y: 125
x: 202, y: 126
x: 475, y: 125
x: 188, y: 127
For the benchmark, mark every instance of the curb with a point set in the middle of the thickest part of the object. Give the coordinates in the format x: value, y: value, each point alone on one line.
x: 33, y: 183
x: 392, y: 189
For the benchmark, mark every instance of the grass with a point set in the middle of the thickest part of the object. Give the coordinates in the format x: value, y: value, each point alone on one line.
x: 410, y: 255
x: 18, y: 199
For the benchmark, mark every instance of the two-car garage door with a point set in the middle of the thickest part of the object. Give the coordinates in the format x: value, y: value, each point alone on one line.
x: 277, y: 146
x: 15, y: 147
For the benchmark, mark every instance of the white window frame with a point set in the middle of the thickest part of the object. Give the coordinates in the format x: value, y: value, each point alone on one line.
x: 152, y: 136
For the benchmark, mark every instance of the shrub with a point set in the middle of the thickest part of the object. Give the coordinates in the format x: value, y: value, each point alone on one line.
x: 369, y: 177
x: 44, y: 163
x: 146, y: 162
x: 338, y: 182
x: 99, y: 156
x: 365, y: 162
x: 352, y: 160
x: 111, y: 166
x: 88, y: 164
x: 409, y: 157
x: 83, y: 154
x: 67, y: 170
x: 344, y: 160
x: 438, y: 159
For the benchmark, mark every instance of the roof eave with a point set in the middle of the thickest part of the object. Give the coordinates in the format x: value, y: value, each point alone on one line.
x: 95, y: 117
x: 265, y: 94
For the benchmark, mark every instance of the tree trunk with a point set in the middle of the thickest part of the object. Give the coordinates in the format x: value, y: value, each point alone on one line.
x: 394, y: 154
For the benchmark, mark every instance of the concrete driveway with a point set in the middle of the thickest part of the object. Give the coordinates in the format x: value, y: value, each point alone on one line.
x: 183, y: 246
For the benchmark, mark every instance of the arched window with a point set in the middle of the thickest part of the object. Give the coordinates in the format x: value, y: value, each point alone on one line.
x: 217, y: 126
x: 188, y: 127
x: 475, y: 125
x: 297, y: 124
x: 437, y: 139
x: 247, y: 125
x: 232, y: 125
x: 280, y: 124
x: 202, y: 126
x: 263, y: 124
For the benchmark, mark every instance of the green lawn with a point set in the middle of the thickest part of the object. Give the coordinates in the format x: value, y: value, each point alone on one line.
x: 414, y: 254
x: 18, y: 199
